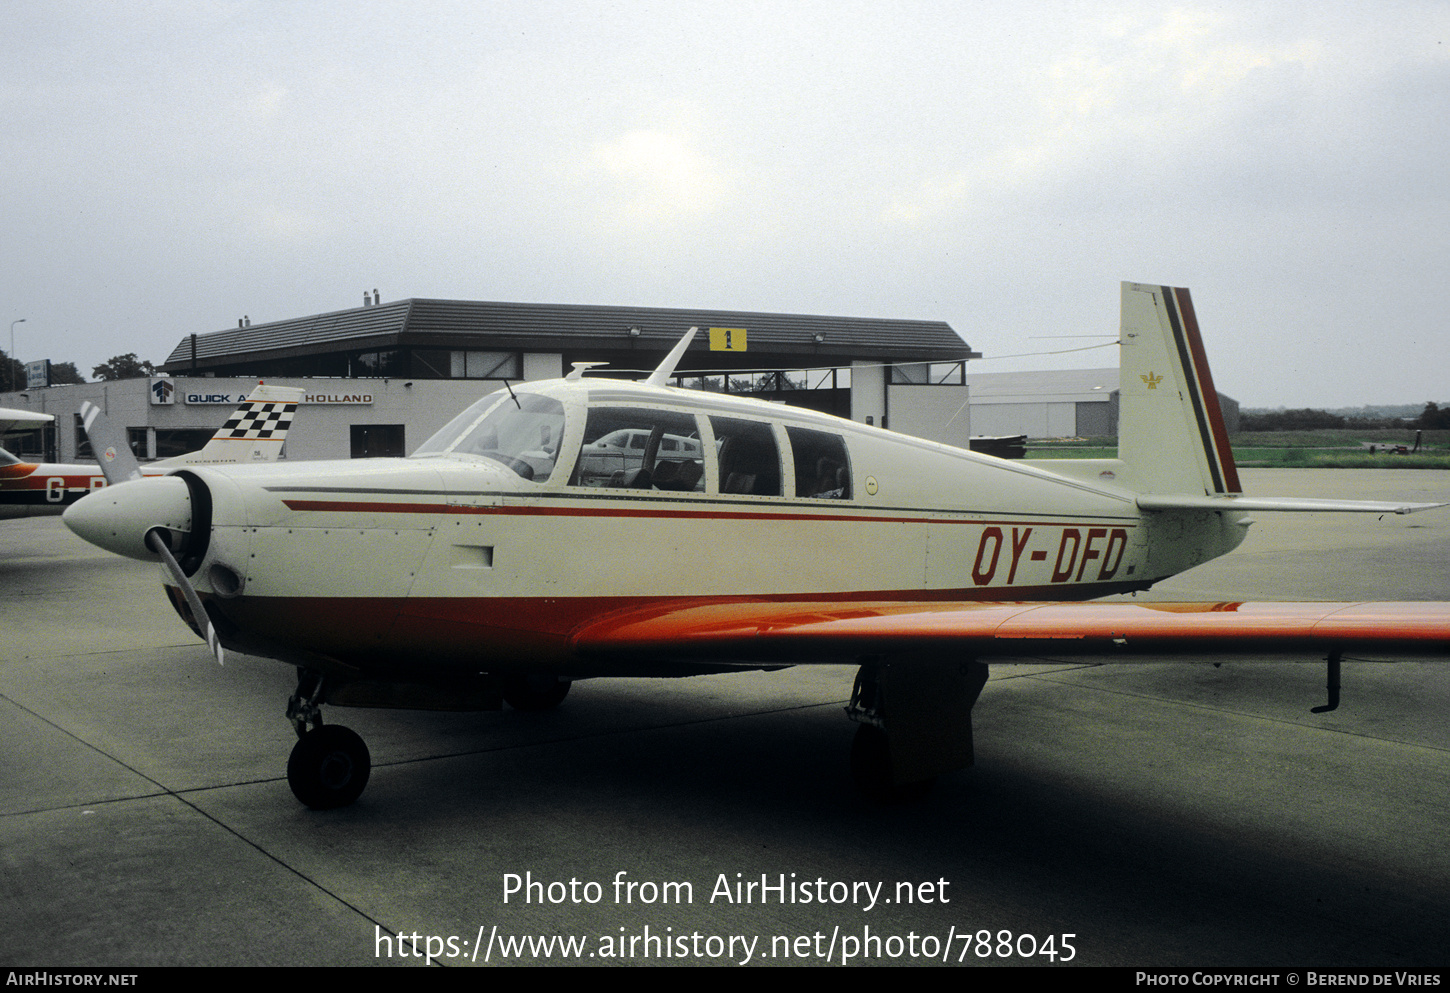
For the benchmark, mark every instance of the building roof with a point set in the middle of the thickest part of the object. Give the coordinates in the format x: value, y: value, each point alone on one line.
x: 538, y: 327
x: 1051, y: 386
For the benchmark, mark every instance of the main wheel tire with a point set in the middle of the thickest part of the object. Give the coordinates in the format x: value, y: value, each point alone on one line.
x: 871, y: 762
x: 535, y: 691
x: 871, y: 769
x: 329, y: 767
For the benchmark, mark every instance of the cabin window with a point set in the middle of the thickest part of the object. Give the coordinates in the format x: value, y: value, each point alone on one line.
x: 521, y: 431
x: 638, y: 448
x: 822, y: 468
x: 749, y: 458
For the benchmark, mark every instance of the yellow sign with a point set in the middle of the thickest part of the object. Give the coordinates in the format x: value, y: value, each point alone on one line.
x: 1152, y: 379
x: 727, y: 339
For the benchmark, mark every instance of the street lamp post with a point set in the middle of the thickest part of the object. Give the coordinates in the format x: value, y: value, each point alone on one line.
x: 12, y: 346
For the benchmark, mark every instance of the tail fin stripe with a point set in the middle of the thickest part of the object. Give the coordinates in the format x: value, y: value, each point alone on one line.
x: 1221, y: 446
x: 1199, y: 383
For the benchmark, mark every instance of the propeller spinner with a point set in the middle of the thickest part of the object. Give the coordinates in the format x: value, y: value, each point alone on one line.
x: 137, y: 517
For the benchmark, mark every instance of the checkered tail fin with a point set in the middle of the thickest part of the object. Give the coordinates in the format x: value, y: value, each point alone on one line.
x: 254, y: 433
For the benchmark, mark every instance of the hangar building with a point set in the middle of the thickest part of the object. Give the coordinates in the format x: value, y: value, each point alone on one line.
x: 1061, y: 403
x: 381, y: 378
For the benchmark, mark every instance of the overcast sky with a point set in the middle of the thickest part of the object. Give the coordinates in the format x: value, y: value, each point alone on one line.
x: 170, y: 166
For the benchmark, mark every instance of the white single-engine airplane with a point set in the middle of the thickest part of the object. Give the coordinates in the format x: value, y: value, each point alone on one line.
x: 254, y: 433
x: 507, y: 556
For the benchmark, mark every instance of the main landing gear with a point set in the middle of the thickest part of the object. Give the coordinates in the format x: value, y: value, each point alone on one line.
x: 914, y: 717
x: 535, y: 691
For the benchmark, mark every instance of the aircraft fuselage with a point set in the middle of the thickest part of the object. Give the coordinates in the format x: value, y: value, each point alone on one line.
x: 489, y: 548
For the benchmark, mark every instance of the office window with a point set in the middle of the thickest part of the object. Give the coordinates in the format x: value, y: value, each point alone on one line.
x: 371, y: 441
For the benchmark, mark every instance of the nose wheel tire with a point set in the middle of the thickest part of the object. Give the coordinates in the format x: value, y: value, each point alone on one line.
x: 329, y: 767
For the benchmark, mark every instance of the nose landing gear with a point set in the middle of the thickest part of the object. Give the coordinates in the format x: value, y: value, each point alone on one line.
x: 329, y: 766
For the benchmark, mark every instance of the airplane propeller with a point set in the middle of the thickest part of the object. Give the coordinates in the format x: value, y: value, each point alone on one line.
x: 161, y: 510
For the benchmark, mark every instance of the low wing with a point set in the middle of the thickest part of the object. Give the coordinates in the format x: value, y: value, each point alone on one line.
x: 752, y: 631
x: 21, y: 420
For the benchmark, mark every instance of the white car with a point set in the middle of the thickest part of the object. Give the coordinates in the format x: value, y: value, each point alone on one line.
x: 623, y: 451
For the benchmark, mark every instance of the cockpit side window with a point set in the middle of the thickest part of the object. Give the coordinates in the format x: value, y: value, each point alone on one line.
x: 522, y: 432
x: 749, y: 458
x: 822, y: 466
x: 640, y: 448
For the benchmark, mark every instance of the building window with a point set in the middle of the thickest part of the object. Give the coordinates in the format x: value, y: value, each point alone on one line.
x: 774, y: 381
x: 372, y: 441
x: 438, y: 363
x: 432, y: 363
x: 929, y: 374
x: 83, y: 444
x: 31, y: 442
x: 375, y: 365
x: 175, y: 441
x: 484, y: 365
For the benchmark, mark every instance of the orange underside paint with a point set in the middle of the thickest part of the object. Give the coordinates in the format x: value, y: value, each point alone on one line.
x: 573, y: 632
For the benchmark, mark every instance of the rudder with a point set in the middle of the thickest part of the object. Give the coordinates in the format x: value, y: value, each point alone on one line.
x: 1171, y: 435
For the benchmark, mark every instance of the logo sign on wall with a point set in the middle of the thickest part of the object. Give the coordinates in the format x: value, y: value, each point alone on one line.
x: 163, y: 392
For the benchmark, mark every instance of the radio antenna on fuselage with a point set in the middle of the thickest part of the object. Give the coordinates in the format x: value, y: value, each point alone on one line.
x: 578, y: 369
x: 666, y: 368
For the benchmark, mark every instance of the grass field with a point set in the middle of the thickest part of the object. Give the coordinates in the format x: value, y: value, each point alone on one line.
x: 1333, y: 449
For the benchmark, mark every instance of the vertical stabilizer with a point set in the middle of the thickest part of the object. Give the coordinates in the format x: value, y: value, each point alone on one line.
x: 254, y: 433
x: 1170, y: 428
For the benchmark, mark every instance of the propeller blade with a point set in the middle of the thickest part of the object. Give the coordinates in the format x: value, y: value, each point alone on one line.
x: 157, y: 542
x: 118, y: 464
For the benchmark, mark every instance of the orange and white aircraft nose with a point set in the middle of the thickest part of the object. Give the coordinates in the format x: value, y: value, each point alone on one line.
x: 118, y: 517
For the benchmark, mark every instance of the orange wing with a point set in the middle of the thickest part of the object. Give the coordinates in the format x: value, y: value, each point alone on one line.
x: 801, y: 632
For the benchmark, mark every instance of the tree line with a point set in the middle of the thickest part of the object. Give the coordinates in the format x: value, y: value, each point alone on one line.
x: 1308, y: 419
x: 128, y: 366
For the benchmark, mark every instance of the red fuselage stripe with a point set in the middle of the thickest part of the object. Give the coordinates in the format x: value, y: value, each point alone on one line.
x: 376, y: 507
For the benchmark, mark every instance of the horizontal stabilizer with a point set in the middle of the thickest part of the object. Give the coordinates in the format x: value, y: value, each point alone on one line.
x: 1229, y: 501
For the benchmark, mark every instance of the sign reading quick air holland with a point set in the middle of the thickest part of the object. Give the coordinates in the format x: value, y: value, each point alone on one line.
x: 315, y: 398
